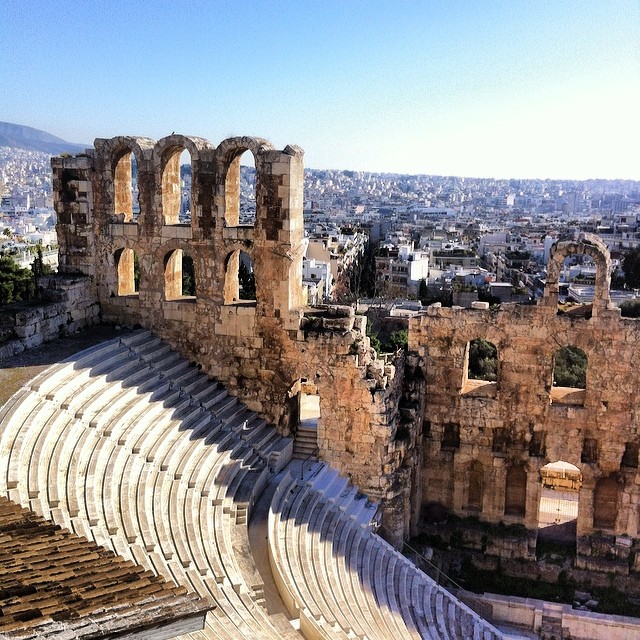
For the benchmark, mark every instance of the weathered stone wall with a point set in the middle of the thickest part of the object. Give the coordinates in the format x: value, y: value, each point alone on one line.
x: 66, y: 307
x: 259, y: 349
x: 522, y: 421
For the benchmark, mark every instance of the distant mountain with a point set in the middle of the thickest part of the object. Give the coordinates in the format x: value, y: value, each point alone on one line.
x: 17, y: 135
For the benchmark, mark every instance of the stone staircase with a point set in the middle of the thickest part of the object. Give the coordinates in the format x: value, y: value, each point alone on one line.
x: 305, y: 443
x: 551, y: 627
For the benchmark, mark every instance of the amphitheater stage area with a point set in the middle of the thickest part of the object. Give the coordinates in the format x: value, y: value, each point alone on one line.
x: 132, y: 450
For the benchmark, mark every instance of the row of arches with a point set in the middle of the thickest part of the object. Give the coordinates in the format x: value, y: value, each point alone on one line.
x: 560, y: 477
x: 178, y: 187
x: 481, y: 366
x: 181, y: 278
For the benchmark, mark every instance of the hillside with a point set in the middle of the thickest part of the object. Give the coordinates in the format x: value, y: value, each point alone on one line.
x: 16, y: 135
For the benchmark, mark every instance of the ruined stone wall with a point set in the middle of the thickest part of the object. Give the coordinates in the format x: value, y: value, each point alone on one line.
x: 259, y: 349
x: 521, y: 421
x: 65, y: 306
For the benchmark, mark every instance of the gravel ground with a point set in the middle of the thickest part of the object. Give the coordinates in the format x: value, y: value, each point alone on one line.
x: 16, y: 371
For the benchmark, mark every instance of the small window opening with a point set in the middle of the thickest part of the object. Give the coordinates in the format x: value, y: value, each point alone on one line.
x: 240, y: 191
x: 569, y: 376
x: 125, y: 184
x: 127, y: 271
x: 179, y: 275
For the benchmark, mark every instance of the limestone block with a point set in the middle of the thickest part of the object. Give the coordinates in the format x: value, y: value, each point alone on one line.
x: 176, y: 231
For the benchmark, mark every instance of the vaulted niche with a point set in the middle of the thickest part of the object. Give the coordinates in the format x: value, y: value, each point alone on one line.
x: 475, y: 486
x: 569, y: 376
x: 605, y: 503
x: 515, y: 492
x: 240, y: 191
x: 125, y: 188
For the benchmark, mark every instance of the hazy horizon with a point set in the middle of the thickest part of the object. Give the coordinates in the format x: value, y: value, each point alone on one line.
x: 495, y: 90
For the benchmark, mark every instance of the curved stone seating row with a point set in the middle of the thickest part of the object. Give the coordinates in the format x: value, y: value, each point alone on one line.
x: 343, y: 580
x: 135, y: 449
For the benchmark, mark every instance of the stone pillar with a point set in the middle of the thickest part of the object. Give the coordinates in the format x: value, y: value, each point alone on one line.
x: 280, y: 224
x: 73, y: 204
x: 171, y: 190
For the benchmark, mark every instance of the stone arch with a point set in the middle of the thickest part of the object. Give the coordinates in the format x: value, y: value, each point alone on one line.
x: 515, y: 491
x: 587, y: 244
x: 176, y: 262
x: 118, y: 152
x: 475, y: 485
x: 167, y: 152
x: 228, y: 154
x: 605, y: 502
x: 126, y: 275
x: 559, y: 502
x: 235, y: 263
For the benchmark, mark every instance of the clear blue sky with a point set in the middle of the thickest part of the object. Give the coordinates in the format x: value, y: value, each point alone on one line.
x: 514, y: 88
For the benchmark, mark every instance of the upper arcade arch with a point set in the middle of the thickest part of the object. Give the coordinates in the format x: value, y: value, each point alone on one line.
x: 586, y: 244
x: 116, y: 154
x: 166, y: 161
x: 228, y: 156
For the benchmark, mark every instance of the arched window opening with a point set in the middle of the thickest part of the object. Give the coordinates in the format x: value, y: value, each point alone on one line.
x: 179, y: 275
x: 125, y: 186
x: 176, y: 186
x: 127, y: 271
x: 576, y: 286
x: 476, y: 486
x: 304, y: 414
x: 188, y: 276
x: 569, y: 376
x: 515, y: 494
x: 605, y: 503
x: 240, y: 282
x: 481, y: 366
x: 558, y: 509
x: 240, y: 191
x: 246, y: 278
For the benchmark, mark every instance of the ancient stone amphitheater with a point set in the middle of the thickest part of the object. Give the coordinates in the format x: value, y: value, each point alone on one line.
x: 130, y: 448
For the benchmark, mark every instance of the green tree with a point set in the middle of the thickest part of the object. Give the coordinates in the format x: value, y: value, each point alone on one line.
x: 617, y: 279
x: 247, y: 281
x: 373, y: 338
x: 398, y: 340
x: 570, y: 368
x: 16, y: 284
x: 188, y: 276
x: 631, y: 268
x: 423, y: 291
x: 483, y: 360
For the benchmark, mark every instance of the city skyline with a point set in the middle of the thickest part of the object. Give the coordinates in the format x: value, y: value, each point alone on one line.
x: 506, y: 90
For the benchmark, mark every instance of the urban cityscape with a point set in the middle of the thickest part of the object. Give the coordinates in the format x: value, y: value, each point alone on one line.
x: 444, y: 238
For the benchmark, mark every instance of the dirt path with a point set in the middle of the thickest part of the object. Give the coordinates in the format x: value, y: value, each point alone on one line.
x: 19, y: 369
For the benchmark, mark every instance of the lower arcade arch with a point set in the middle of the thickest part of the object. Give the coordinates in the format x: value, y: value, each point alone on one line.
x: 127, y: 272
x: 179, y: 275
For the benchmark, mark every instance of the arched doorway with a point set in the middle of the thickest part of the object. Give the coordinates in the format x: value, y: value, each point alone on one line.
x: 304, y: 413
x: 558, y: 509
